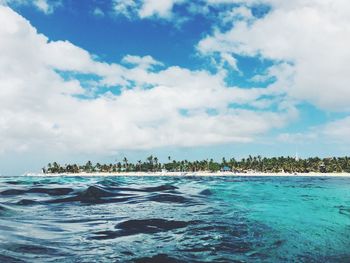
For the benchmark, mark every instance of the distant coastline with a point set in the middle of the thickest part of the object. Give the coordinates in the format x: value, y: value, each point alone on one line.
x: 250, y: 166
x: 194, y: 174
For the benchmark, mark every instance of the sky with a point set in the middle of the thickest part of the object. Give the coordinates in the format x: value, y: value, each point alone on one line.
x: 102, y: 79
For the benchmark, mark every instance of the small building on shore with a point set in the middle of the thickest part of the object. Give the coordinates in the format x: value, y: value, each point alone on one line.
x: 226, y: 169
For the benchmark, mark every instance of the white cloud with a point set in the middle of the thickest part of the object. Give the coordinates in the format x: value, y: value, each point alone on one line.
x: 233, y: 15
x: 98, y: 12
x: 44, y: 6
x: 158, y: 8
x: 41, y: 109
x: 335, y: 132
x: 338, y: 130
x: 230, y: 59
x: 145, y: 62
x: 126, y: 7
x: 299, y: 137
x: 145, y: 8
x: 312, y: 36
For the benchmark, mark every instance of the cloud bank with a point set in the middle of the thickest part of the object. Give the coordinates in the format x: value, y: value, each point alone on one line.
x: 311, y: 36
x: 56, y: 95
x: 45, y: 101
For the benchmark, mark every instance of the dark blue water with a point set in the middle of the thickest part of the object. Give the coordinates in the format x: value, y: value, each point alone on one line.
x: 174, y: 219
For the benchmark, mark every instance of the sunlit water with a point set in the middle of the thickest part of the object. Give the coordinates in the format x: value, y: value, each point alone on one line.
x: 174, y: 219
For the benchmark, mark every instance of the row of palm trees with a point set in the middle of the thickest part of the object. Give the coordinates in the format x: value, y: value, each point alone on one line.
x: 256, y: 163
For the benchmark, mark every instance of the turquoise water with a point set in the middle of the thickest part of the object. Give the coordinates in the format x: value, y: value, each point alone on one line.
x: 174, y: 219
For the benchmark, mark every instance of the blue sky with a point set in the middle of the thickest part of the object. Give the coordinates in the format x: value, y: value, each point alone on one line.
x: 192, y: 79
x: 113, y: 36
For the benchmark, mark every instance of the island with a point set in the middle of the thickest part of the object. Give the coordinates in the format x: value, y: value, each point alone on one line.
x: 252, y: 165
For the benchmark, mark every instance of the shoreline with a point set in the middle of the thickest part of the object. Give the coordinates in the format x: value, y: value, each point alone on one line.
x: 194, y: 174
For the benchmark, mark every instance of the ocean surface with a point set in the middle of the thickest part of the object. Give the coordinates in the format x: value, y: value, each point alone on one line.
x: 174, y: 219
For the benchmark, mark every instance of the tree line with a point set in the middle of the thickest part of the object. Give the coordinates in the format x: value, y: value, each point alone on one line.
x: 251, y: 163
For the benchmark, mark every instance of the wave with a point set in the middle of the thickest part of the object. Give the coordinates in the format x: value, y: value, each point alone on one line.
x: 9, y: 259
x: 169, y: 198
x: 165, y: 219
x: 49, y: 191
x: 159, y: 258
x: 141, y: 226
x: 6, y: 211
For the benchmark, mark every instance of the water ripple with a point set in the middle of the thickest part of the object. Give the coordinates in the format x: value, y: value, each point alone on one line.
x: 174, y: 219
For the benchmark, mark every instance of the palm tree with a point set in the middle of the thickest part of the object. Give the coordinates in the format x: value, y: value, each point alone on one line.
x: 88, y: 166
x: 98, y: 167
x: 125, y: 163
x: 156, y: 162
x: 150, y: 161
x: 56, y: 167
x: 49, y: 168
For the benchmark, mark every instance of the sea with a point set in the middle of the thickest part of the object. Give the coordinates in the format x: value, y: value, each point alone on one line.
x: 174, y: 219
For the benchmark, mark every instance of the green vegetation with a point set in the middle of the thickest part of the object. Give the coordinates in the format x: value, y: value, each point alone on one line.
x: 257, y: 164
